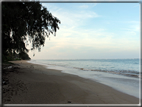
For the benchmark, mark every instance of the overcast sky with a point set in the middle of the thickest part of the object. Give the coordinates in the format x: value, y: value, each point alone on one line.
x: 93, y: 31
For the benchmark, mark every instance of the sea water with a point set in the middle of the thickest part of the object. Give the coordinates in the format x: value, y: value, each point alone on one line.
x: 120, y: 74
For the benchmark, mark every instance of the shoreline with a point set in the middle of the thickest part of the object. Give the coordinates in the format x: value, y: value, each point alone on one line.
x: 122, y: 83
x: 48, y: 86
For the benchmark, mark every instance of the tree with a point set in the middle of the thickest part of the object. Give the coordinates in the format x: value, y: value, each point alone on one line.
x: 24, y: 56
x: 24, y: 22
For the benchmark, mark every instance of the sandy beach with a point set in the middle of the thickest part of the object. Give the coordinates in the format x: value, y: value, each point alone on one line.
x: 34, y: 84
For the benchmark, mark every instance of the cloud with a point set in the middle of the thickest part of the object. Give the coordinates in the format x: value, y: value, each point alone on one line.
x: 87, y: 6
x: 72, y: 17
x: 133, y: 28
x: 99, y: 39
x: 78, y: 44
x: 83, y: 6
x: 75, y: 19
x: 74, y: 41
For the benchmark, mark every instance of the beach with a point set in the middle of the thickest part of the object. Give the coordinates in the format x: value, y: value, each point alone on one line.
x: 35, y: 84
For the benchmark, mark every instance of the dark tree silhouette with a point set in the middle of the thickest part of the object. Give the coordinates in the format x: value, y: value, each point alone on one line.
x: 24, y: 56
x: 24, y: 22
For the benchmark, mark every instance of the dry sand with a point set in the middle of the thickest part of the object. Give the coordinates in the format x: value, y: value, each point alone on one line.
x: 34, y: 84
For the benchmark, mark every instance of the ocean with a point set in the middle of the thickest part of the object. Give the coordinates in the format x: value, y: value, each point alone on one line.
x: 120, y: 74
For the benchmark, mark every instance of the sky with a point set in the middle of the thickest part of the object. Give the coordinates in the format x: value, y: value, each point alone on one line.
x: 93, y: 31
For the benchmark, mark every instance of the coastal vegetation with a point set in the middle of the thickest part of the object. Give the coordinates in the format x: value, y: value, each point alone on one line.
x: 15, y: 56
x: 25, y: 23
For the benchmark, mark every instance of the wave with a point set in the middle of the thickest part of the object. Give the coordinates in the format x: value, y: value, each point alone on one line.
x: 120, y: 72
x: 113, y: 66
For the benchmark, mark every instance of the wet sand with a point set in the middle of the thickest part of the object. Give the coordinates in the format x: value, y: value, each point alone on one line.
x: 34, y: 84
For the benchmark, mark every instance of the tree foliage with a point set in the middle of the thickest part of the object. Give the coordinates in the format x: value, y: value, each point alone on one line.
x: 24, y: 22
x: 24, y: 56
